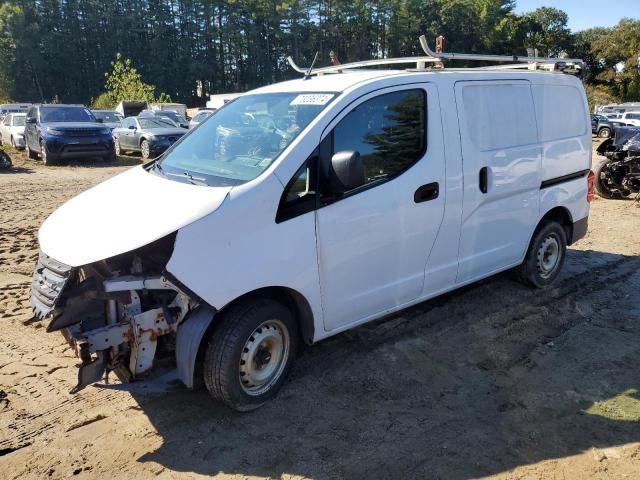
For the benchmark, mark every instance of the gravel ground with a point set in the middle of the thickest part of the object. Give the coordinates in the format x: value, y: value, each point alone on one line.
x: 495, y: 380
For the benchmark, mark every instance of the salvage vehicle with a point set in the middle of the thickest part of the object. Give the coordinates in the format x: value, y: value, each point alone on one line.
x: 12, y: 129
x: 619, y: 175
x: 61, y: 132
x: 200, y: 117
x: 306, y: 208
x: 150, y: 135
x: 110, y: 118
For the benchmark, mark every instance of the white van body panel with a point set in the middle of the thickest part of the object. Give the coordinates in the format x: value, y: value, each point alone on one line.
x: 126, y: 212
x: 240, y: 249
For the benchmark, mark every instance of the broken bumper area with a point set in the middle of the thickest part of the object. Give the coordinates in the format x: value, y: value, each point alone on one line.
x: 113, y: 322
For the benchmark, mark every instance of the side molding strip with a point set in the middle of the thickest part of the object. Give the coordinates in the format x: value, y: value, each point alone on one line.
x: 565, y: 178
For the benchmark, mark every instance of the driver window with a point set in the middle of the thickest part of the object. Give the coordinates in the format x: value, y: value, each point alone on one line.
x: 388, y: 131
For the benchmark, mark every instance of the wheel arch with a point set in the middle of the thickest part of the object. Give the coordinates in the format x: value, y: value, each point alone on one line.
x: 561, y: 215
x: 290, y: 298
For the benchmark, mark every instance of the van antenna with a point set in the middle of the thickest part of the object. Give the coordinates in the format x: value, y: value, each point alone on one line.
x: 307, y: 75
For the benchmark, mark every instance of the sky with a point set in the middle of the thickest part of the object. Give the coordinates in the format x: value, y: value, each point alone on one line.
x: 585, y: 14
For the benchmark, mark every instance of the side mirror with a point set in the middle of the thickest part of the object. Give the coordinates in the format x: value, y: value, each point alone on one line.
x: 347, y: 171
x: 132, y: 127
x: 30, y: 120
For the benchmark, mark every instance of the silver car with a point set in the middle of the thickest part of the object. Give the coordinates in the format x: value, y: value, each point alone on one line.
x: 149, y: 135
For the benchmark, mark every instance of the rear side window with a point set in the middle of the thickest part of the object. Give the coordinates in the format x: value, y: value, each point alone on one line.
x: 499, y: 115
x: 560, y: 112
x: 389, y: 132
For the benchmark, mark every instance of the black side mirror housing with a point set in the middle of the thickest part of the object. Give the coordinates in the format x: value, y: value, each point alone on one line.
x: 99, y: 120
x: 132, y: 127
x: 31, y: 120
x: 347, y: 171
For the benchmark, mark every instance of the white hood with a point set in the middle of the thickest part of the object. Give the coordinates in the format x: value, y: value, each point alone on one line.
x: 125, y: 212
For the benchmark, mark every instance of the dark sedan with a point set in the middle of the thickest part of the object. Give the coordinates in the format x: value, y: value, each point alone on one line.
x: 150, y: 136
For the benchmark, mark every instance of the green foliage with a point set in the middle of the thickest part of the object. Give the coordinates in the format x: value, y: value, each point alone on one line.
x: 125, y: 83
x: 599, y: 95
x: 191, y: 48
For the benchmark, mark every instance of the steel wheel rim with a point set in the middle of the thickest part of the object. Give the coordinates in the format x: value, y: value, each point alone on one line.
x: 117, y: 147
x: 548, y: 256
x: 264, y: 357
x: 145, y: 149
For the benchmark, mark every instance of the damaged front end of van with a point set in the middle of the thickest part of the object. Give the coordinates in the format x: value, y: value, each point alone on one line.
x: 101, y: 277
x: 120, y: 314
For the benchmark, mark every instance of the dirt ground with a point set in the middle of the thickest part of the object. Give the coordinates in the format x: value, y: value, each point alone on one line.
x: 493, y: 381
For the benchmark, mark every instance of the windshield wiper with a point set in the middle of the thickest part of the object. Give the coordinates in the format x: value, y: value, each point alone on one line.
x: 195, y: 180
x: 156, y: 166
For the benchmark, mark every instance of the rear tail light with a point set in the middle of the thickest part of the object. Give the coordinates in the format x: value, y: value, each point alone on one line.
x: 590, y: 183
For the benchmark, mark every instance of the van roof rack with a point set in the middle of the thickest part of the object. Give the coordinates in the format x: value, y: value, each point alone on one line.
x: 435, y: 59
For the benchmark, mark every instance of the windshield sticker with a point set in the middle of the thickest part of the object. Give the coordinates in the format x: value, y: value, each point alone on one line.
x: 312, y: 99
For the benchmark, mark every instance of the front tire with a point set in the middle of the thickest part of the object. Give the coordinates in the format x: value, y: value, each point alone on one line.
x: 44, y: 154
x: 602, y: 186
x: 116, y: 147
x: 145, y: 149
x: 545, y: 257
x: 605, y: 132
x: 249, y: 353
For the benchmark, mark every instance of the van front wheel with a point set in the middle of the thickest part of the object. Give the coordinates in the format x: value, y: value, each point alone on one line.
x: 249, y: 353
x: 545, y: 257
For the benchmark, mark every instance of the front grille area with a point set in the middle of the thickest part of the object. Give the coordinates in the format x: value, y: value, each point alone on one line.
x: 82, y: 132
x: 49, y: 280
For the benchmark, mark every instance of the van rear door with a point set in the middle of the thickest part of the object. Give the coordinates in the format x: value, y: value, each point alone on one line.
x: 501, y: 174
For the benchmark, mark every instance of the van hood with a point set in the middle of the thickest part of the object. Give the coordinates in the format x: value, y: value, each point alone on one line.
x: 126, y: 212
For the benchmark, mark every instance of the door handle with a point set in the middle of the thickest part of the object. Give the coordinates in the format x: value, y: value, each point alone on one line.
x: 484, y: 179
x: 427, y: 192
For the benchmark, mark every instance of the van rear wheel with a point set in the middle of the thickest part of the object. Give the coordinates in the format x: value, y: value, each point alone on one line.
x: 545, y: 257
x: 250, y: 353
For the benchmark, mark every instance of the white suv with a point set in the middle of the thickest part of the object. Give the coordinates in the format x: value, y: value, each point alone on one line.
x: 309, y: 207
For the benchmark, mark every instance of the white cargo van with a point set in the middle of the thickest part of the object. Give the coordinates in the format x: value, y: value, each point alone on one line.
x: 309, y: 207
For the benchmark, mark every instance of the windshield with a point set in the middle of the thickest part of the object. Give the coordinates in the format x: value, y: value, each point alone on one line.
x: 66, y: 114
x: 242, y: 139
x: 18, y: 120
x: 150, y: 122
x: 108, y: 117
x: 173, y: 115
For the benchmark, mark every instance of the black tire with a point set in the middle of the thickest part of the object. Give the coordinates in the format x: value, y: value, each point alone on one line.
x: 602, y: 186
x: 31, y: 154
x: 604, y: 132
x: 244, y: 331
x: 44, y: 154
x: 13, y: 143
x: 109, y: 157
x: 539, y: 269
x: 145, y: 149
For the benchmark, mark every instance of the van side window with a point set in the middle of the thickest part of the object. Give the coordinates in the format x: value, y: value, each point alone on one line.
x: 388, y: 131
x: 299, y: 196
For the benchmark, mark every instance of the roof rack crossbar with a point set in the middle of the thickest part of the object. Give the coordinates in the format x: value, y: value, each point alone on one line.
x: 492, y: 58
x: 436, y: 58
x: 364, y: 63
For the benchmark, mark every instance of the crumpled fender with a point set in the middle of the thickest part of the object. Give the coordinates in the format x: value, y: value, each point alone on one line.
x: 188, y: 339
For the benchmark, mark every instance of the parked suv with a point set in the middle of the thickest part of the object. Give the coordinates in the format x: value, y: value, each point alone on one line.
x: 309, y: 207
x: 60, y: 132
x: 601, y: 126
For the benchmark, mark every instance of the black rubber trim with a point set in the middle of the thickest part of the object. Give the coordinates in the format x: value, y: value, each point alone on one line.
x: 579, y: 229
x: 565, y: 178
